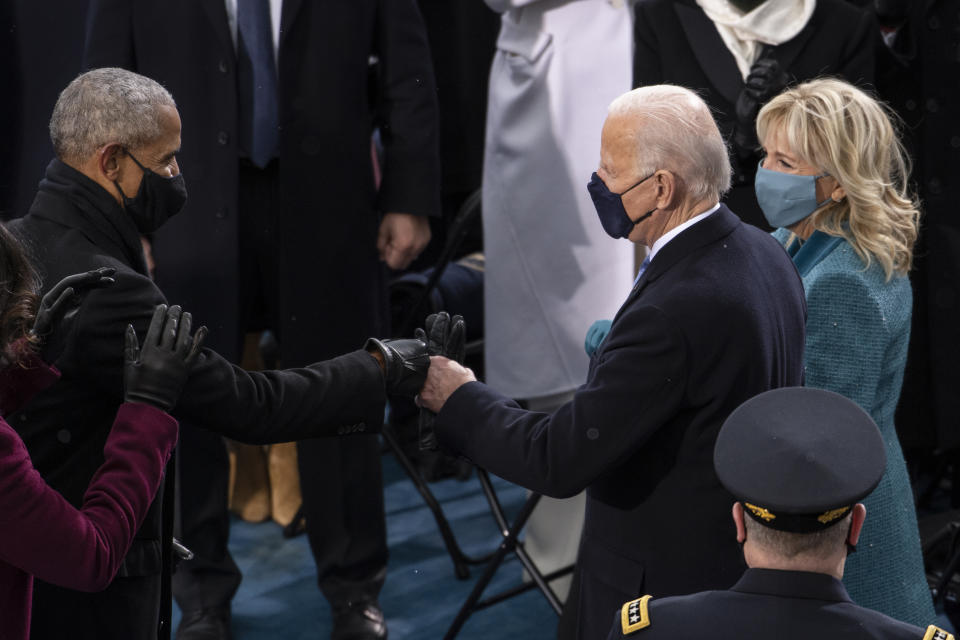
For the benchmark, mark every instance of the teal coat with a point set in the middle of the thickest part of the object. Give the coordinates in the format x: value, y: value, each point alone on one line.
x: 858, y: 326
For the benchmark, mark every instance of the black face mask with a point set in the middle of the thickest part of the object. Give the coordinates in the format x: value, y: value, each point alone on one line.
x: 609, y: 205
x: 158, y: 199
x: 747, y: 5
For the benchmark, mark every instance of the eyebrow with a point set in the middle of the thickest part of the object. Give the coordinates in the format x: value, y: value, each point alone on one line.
x: 169, y: 156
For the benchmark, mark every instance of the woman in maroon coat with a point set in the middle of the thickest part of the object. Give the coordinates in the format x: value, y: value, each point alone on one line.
x: 41, y: 534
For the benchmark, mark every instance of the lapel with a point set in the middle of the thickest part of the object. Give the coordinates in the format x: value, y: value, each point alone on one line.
x: 721, y: 223
x: 217, y: 15
x: 712, y: 54
x: 817, y: 247
x: 787, y: 52
x: 288, y: 13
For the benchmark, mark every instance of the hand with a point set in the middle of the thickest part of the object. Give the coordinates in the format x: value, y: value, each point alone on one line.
x: 401, y: 238
x: 404, y: 362
x: 443, y: 378
x: 444, y: 337
x: 156, y: 373
x: 595, y: 335
x: 61, y: 302
x: 766, y: 80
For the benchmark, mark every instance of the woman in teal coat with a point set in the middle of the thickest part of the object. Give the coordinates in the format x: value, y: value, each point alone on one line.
x: 833, y: 183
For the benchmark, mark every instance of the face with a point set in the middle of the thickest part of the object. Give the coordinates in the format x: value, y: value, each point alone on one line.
x: 779, y: 156
x: 160, y: 155
x: 619, y: 172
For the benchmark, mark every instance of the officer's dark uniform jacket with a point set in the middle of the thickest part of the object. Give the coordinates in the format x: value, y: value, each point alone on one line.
x: 765, y: 603
x: 74, y: 225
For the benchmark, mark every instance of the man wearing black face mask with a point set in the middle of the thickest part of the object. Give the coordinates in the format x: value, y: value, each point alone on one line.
x: 700, y: 332
x: 116, y: 135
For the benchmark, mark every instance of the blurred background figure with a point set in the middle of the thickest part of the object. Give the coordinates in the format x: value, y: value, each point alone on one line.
x: 550, y: 268
x: 740, y: 53
x: 286, y: 230
x: 834, y: 184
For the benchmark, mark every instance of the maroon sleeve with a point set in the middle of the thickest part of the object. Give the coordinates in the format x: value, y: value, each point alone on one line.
x: 42, y: 534
x: 21, y: 381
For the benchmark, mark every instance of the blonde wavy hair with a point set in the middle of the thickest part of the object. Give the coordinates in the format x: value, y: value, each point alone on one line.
x: 842, y: 131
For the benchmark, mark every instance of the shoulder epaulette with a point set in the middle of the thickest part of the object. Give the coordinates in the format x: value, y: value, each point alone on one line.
x: 936, y: 633
x: 635, y: 616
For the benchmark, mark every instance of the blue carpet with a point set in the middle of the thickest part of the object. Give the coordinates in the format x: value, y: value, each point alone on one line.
x: 279, y: 598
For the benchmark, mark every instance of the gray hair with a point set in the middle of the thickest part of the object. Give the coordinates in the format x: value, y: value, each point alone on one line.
x: 788, y: 544
x: 674, y: 130
x: 106, y: 106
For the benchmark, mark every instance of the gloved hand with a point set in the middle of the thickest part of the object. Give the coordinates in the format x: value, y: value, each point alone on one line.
x: 766, y: 80
x: 58, y: 308
x: 595, y: 335
x: 447, y: 337
x: 405, y: 364
x: 156, y: 373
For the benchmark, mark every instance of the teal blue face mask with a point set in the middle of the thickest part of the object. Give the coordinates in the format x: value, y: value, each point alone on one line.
x: 786, y: 198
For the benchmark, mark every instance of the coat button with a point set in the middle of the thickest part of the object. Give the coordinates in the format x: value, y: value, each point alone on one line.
x: 934, y: 185
x: 955, y: 142
x: 593, y: 434
x: 222, y: 66
x: 223, y: 137
x: 221, y: 213
x: 932, y: 105
x: 934, y: 23
x: 340, y: 431
x: 362, y: 426
x: 64, y: 436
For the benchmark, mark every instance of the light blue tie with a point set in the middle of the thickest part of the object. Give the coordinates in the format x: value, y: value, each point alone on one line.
x: 643, y: 267
x: 256, y: 82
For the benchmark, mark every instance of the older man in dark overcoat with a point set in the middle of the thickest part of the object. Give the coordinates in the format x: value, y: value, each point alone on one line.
x: 291, y: 241
x: 716, y: 316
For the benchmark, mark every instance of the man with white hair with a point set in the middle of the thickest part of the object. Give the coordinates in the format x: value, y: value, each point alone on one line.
x: 716, y: 316
x: 116, y: 135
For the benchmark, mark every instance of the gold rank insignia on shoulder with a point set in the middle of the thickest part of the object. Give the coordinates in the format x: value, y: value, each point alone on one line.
x: 760, y: 512
x: 833, y: 514
x: 634, y: 615
x: 936, y: 633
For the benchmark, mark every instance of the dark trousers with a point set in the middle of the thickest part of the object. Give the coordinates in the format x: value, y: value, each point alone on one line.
x: 341, y: 479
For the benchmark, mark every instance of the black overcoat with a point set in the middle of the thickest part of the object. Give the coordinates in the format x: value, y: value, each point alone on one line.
x: 676, y: 43
x: 717, y: 318
x: 330, y: 97
x: 66, y: 426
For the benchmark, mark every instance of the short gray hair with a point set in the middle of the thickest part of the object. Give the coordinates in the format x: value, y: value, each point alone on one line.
x: 106, y: 106
x: 788, y: 544
x: 675, y: 130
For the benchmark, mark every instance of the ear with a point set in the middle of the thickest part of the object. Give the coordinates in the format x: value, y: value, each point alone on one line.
x: 738, y: 521
x: 856, y: 523
x: 838, y: 193
x: 108, y: 160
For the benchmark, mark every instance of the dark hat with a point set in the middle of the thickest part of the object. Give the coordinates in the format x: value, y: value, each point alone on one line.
x: 799, y: 458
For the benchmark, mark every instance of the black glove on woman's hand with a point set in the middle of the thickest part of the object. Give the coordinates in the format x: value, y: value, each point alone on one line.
x: 59, y: 307
x: 156, y: 373
x: 445, y: 336
x: 766, y: 80
x: 405, y: 364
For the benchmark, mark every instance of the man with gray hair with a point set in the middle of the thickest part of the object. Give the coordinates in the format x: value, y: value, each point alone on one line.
x: 716, y: 316
x: 116, y: 135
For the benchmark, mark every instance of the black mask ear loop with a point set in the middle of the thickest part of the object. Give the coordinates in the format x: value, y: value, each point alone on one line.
x: 851, y: 548
x: 123, y: 196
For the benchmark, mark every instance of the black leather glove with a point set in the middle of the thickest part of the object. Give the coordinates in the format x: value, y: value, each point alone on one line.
x: 766, y: 80
x: 58, y: 309
x: 405, y: 364
x: 445, y: 336
x: 156, y: 373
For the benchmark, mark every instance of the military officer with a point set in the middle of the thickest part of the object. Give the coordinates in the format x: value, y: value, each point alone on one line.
x: 798, y: 461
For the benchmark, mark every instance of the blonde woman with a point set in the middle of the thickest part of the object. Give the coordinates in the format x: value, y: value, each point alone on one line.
x: 833, y: 184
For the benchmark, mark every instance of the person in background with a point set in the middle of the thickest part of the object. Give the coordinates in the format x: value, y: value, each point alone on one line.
x: 287, y: 230
x: 41, y: 534
x: 557, y: 67
x: 116, y: 176
x: 700, y: 332
x: 741, y: 53
x: 798, y: 461
x: 833, y: 183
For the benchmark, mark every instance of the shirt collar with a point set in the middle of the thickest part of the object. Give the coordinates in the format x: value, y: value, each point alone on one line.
x: 673, y: 233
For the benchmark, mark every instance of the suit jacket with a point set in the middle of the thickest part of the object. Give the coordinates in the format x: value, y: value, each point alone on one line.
x: 767, y: 603
x: 858, y: 327
x: 676, y: 43
x: 43, y: 535
x: 330, y: 98
x: 717, y: 318
x: 74, y: 226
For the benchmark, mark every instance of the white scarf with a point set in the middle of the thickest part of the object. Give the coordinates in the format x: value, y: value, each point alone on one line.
x: 773, y: 22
